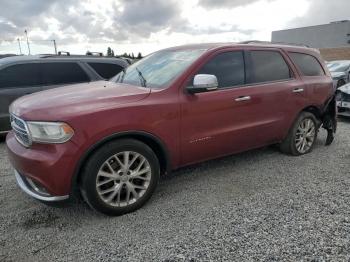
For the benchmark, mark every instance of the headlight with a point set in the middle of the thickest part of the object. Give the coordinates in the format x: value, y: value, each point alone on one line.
x: 50, y: 132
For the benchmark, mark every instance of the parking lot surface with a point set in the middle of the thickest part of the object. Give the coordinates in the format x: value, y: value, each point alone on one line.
x: 258, y: 205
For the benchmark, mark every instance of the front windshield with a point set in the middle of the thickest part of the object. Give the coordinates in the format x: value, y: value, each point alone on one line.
x: 158, y: 69
x: 338, y: 67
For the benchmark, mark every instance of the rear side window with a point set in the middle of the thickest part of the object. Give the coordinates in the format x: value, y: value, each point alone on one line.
x: 308, y: 65
x: 267, y: 66
x: 227, y: 67
x: 20, y: 75
x: 62, y: 73
x: 106, y: 70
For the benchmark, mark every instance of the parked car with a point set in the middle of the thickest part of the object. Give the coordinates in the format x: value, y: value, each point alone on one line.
x: 340, y: 71
x: 173, y: 108
x: 6, y: 55
x: 343, y: 100
x: 22, y: 75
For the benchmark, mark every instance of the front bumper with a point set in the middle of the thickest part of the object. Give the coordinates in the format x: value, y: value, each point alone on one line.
x: 46, y: 167
x: 29, y: 187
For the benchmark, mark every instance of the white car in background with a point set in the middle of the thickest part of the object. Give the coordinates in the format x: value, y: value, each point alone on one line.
x: 343, y: 100
x: 340, y: 71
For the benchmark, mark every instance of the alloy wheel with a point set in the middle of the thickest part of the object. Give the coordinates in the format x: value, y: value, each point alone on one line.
x: 305, y: 135
x: 123, y: 179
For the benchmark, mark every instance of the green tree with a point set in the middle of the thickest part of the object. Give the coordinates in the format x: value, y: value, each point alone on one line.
x: 139, y: 56
x: 109, y: 51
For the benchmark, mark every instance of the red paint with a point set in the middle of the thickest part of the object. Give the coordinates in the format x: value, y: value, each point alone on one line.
x: 192, y: 127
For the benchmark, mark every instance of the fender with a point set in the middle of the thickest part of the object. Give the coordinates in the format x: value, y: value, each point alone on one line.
x: 138, y: 134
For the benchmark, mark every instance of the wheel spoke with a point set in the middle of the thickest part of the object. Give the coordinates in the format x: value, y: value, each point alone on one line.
x: 126, y: 159
x: 103, y: 192
x: 132, y: 190
x: 140, y: 165
x: 127, y: 198
x: 140, y: 187
x: 104, y: 182
x: 121, y: 164
x: 115, y: 192
x: 110, y: 167
x: 299, y: 142
x: 105, y: 174
x: 136, y: 156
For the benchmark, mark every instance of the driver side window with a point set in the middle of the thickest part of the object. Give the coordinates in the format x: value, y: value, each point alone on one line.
x: 228, y: 67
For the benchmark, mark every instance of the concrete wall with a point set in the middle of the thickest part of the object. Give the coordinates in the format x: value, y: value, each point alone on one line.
x: 322, y: 36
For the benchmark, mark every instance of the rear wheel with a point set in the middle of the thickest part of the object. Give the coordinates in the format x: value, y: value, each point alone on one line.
x: 302, y: 136
x: 120, y: 177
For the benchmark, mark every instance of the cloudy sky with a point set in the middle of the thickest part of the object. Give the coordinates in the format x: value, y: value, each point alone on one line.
x: 148, y: 25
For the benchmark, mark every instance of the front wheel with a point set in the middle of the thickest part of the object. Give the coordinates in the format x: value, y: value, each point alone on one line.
x: 120, y: 177
x: 302, y: 136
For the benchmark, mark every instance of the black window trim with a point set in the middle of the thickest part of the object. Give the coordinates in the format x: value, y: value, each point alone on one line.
x: 291, y: 67
x: 297, y: 67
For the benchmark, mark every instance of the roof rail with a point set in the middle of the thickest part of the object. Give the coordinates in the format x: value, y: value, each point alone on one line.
x: 63, y: 52
x: 269, y: 42
x: 94, y: 53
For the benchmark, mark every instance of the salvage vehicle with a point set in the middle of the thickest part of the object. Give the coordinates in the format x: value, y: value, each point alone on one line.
x: 340, y: 71
x: 343, y: 100
x: 173, y: 108
x: 22, y: 75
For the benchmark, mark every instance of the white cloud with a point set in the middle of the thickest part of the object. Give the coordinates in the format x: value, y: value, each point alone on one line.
x: 148, y: 25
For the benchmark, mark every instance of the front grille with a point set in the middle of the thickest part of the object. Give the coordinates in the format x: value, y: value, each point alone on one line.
x: 20, y: 130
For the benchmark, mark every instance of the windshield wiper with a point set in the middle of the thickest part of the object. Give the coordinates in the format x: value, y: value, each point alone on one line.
x: 121, y: 78
x: 142, y: 79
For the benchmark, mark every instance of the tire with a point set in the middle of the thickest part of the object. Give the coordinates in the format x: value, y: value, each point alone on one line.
x: 340, y: 83
x: 291, y: 144
x: 106, y: 171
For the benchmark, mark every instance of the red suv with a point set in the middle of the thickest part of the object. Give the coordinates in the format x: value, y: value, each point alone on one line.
x: 111, y: 140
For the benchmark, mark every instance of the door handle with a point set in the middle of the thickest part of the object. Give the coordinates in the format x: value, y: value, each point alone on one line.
x: 242, y: 98
x: 298, y: 90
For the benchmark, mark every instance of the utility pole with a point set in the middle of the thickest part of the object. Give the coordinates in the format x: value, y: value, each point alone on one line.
x: 54, y: 44
x: 25, y: 31
x: 19, y: 46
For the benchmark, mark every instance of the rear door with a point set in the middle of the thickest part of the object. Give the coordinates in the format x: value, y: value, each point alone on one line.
x: 249, y: 109
x: 318, y: 84
x: 15, y: 81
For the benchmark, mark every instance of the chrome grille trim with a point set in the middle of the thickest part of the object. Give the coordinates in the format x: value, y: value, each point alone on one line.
x: 20, y: 130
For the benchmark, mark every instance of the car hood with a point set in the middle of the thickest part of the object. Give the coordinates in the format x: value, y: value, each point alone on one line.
x: 59, y: 103
x: 337, y: 75
x: 345, y: 88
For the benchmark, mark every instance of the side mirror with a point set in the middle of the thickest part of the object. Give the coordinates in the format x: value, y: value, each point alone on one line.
x: 203, y: 83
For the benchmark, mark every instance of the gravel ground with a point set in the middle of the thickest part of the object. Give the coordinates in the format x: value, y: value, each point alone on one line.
x: 258, y: 205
